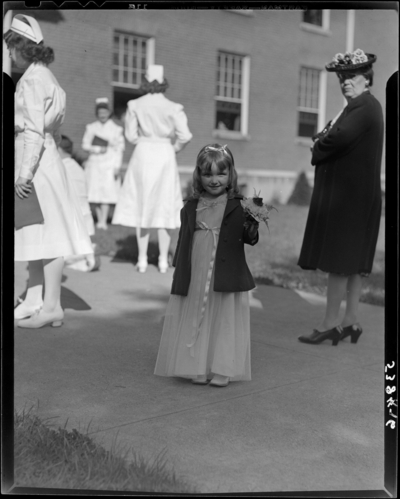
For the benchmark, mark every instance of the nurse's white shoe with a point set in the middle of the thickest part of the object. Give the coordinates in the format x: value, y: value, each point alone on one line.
x: 22, y: 310
x: 41, y: 319
x: 163, y: 266
x: 141, y: 267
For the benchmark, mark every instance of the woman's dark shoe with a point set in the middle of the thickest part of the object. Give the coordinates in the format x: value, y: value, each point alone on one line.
x: 316, y: 337
x: 355, y: 331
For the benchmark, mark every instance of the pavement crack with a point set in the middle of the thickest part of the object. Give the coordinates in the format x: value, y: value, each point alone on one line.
x: 228, y: 399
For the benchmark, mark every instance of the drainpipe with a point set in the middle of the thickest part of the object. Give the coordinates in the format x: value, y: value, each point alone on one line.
x: 351, y: 17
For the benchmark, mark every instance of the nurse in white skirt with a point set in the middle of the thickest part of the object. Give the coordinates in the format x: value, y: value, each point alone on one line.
x: 104, y: 140
x: 151, y: 196
x: 39, y: 112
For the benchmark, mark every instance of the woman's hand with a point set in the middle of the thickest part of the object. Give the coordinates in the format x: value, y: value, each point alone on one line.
x: 23, y: 187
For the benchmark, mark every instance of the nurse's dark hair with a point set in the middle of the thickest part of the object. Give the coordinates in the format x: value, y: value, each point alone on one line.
x: 154, y: 87
x: 30, y: 50
x: 222, y: 158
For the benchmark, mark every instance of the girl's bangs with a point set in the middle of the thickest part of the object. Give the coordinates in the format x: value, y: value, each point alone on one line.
x: 221, y: 163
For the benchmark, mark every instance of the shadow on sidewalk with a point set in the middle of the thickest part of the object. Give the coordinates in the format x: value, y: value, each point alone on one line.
x: 128, y: 250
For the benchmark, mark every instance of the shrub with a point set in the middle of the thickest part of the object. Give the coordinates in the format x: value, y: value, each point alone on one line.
x: 302, y: 191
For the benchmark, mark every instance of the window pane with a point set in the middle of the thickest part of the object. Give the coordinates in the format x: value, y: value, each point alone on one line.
x: 313, y: 17
x: 129, y: 53
x: 307, y: 124
x: 228, y: 116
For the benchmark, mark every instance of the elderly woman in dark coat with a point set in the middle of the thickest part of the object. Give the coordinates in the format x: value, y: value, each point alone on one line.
x: 343, y: 221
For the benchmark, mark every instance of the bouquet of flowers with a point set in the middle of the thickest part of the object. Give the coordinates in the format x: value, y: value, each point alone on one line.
x: 256, y: 209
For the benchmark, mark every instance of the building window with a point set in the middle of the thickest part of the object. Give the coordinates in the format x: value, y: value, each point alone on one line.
x: 232, y: 94
x: 316, y: 21
x: 131, y: 56
x: 308, y: 102
x: 313, y: 17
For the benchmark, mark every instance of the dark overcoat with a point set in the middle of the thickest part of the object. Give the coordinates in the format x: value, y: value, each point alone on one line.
x: 343, y: 221
x: 231, y: 271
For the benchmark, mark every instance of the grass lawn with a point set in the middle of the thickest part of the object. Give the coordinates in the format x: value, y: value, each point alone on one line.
x: 56, y: 458
x: 272, y: 261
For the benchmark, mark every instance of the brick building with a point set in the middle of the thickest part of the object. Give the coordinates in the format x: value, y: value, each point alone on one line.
x: 252, y: 79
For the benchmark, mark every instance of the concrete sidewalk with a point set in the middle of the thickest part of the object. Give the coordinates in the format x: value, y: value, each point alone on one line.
x: 311, y: 419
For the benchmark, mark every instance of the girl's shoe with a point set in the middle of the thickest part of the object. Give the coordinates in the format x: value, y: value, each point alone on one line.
x: 141, y: 267
x: 355, y: 331
x: 200, y: 380
x: 219, y: 381
x: 316, y: 337
x: 41, y: 319
x: 163, y: 266
x: 22, y: 310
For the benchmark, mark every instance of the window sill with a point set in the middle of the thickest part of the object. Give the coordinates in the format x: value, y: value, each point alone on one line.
x: 303, y: 141
x: 229, y: 134
x: 315, y: 29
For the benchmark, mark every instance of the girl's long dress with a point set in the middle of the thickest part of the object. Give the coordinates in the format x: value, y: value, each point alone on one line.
x: 39, y: 113
x: 206, y: 332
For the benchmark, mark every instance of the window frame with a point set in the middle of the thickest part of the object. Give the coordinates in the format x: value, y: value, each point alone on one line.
x: 322, y: 30
x: 150, y: 56
x: 244, y: 102
x: 321, y: 109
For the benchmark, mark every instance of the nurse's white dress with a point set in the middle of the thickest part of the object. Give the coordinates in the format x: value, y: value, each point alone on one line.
x: 151, y: 196
x: 78, y: 178
x: 39, y: 113
x: 100, y: 167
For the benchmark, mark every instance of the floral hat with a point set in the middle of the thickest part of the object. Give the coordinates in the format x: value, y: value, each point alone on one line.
x: 350, y: 61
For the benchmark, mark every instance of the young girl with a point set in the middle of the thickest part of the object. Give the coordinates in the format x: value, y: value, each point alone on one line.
x: 206, y: 332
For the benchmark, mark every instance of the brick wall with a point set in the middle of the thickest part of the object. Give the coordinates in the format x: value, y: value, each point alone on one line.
x: 187, y: 43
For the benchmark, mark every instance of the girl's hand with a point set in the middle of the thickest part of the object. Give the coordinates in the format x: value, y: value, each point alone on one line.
x: 252, y: 226
x: 23, y: 187
x: 252, y: 230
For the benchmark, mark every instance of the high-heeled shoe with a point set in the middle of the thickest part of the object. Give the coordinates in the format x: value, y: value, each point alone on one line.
x: 316, y: 337
x: 354, y: 331
x: 22, y: 310
x: 40, y: 319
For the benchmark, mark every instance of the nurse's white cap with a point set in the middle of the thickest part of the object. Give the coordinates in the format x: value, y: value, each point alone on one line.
x: 31, y: 30
x: 155, y: 72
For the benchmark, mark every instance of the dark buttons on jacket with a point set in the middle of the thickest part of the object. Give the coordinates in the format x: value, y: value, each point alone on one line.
x: 225, y: 239
x: 223, y: 259
x: 225, y: 223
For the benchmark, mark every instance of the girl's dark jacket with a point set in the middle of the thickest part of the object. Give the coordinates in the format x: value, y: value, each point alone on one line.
x: 231, y: 271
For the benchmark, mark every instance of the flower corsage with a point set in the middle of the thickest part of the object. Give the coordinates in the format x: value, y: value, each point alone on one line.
x: 255, y: 209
